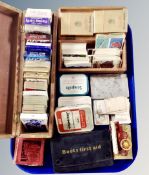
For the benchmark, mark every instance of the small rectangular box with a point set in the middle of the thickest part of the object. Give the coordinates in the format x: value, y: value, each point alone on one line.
x: 74, y: 101
x: 74, y: 119
x: 74, y: 84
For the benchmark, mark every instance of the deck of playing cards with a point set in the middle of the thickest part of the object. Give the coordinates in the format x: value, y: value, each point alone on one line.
x: 34, y: 122
x: 73, y: 119
x: 35, y: 84
x: 113, y: 40
x: 107, y: 58
x: 112, y: 105
x: 114, y: 109
x: 29, y: 152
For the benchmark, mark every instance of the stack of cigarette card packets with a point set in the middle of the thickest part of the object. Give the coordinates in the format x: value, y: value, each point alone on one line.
x: 107, y: 52
x: 37, y: 66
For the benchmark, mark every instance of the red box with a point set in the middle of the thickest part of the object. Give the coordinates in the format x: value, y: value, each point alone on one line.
x: 29, y: 151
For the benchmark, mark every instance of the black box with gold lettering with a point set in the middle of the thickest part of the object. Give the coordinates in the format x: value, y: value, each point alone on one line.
x: 77, y: 152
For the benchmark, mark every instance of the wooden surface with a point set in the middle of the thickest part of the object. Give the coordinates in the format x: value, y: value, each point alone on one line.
x: 89, y: 8
x: 8, y: 9
x: 53, y: 76
x: 9, y: 55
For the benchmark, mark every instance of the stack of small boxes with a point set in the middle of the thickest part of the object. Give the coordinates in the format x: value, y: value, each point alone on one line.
x: 37, y: 65
x: 74, y: 114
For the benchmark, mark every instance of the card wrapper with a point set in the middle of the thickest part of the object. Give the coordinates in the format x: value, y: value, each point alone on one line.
x: 82, y: 151
x: 108, y: 86
x: 101, y: 119
x: 38, y: 21
x: 121, y: 118
x: 112, y: 105
x: 113, y: 40
x: 35, y: 84
x: 74, y: 101
x: 41, y: 38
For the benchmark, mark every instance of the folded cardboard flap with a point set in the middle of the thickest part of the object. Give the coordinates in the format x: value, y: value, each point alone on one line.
x: 10, y: 19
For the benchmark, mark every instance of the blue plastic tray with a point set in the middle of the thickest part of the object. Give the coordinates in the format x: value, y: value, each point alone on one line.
x: 119, y: 165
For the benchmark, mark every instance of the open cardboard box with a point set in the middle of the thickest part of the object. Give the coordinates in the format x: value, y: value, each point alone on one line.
x: 12, y: 44
x: 89, y: 38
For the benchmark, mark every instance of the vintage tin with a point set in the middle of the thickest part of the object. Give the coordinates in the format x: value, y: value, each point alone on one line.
x: 74, y: 84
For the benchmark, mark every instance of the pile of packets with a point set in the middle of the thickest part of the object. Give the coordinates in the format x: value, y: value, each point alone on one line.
x: 77, y: 112
x: 101, y: 120
x: 93, y: 112
x: 36, y: 71
x: 106, y: 54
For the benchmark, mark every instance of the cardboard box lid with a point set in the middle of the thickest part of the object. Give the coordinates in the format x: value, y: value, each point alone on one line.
x: 10, y: 20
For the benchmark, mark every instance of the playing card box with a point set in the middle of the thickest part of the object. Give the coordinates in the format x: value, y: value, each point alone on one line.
x: 74, y: 119
x: 12, y: 40
x: 78, y: 25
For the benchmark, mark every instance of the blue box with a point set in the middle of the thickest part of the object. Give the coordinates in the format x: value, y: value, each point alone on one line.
x: 119, y: 165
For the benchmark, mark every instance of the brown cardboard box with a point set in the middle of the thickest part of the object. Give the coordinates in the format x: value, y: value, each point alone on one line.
x: 12, y: 43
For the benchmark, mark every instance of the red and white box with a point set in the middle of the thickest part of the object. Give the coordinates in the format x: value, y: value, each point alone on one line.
x: 74, y: 119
